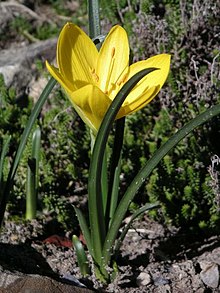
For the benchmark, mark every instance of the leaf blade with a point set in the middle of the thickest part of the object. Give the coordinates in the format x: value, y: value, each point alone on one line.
x: 146, y: 170
x: 96, y: 213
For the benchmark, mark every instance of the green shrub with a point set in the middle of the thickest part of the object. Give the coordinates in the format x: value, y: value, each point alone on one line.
x: 14, y: 113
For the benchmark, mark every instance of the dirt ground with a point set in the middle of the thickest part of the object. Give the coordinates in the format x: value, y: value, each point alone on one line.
x: 153, y: 258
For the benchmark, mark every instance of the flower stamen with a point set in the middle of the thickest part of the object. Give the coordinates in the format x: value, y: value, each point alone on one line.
x: 122, y: 80
x: 113, y: 52
x: 94, y: 75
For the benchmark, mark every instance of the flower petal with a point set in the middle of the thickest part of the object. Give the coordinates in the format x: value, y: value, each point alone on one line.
x: 65, y: 83
x: 138, y: 103
x: 155, y: 78
x: 113, y: 58
x: 91, y: 104
x: 76, y: 55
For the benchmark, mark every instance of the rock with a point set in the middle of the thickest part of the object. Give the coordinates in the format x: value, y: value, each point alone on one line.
x: 18, y: 65
x: 143, y: 279
x: 209, y: 274
x: 160, y: 281
x: 12, y: 283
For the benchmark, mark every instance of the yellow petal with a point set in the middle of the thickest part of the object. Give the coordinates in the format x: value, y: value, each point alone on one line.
x: 76, y: 55
x: 138, y: 103
x: 91, y: 104
x: 65, y: 83
x: 113, y: 58
x: 155, y: 78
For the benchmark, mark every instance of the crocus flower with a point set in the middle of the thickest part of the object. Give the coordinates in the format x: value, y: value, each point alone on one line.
x: 92, y: 78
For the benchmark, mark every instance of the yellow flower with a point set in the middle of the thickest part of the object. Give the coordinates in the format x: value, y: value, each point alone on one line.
x: 92, y: 78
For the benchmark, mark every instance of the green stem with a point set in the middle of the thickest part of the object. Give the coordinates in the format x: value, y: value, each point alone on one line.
x: 94, y: 19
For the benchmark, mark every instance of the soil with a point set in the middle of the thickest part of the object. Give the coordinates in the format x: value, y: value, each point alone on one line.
x: 153, y: 258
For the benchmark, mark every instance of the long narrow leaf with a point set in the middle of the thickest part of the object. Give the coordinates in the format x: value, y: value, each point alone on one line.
x: 114, y: 193
x: 36, y: 111
x: 115, y: 160
x: 104, y: 182
x: 145, y: 172
x: 137, y: 213
x: 81, y: 256
x: 36, y: 153
x: 32, y: 176
x: 96, y: 214
x: 116, y: 152
x: 85, y: 230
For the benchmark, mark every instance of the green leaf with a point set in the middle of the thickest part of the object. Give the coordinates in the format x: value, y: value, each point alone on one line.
x: 104, y: 182
x: 36, y: 111
x: 36, y: 153
x: 115, y: 170
x: 146, y: 207
x: 145, y: 172
x: 96, y: 213
x: 85, y: 229
x: 32, y: 176
x: 114, y: 194
x: 81, y: 256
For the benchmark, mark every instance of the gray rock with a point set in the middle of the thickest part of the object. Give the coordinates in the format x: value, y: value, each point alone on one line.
x: 143, y: 279
x: 160, y: 281
x: 209, y: 274
x: 18, y: 65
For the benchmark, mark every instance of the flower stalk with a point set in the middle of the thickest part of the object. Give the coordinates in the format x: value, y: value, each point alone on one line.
x: 94, y: 19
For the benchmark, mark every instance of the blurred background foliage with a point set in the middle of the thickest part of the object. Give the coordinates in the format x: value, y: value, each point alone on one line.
x: 190, y: 32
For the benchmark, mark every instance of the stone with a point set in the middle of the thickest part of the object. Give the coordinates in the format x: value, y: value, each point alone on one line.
x: 18, y: 64
x: 160, y: 281
x: 143, y: 279
x: 209, y: 274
